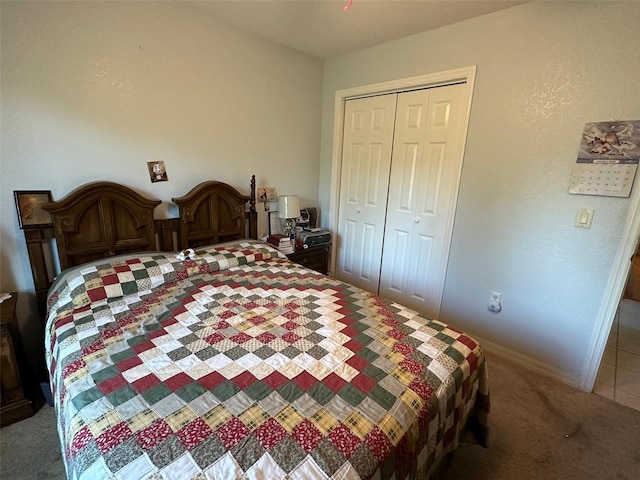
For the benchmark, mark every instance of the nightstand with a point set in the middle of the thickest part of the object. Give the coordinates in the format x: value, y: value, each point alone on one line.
x: 14, y: 405
x: 316, y: 257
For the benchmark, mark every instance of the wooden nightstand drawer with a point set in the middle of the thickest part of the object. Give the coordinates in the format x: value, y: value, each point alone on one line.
x: 14, y: 405
x: 316, y: 258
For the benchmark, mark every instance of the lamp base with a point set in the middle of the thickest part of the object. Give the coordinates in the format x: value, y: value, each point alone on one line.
x: 288, y: 227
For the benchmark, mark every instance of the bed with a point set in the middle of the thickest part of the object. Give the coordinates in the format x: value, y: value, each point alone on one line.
x: 228, y: 361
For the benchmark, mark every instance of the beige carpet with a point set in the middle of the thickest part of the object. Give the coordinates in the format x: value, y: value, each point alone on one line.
x: 540, y: 429
x: 30, y: 449
x: 543, y: 429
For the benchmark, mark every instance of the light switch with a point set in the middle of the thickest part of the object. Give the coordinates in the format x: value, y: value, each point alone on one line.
x: 584, y: 218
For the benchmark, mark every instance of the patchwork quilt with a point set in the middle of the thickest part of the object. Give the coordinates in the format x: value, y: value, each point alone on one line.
x: 239, y: 364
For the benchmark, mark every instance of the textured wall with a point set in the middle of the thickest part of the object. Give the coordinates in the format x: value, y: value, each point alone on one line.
x: 94, y: 90
x: 544, y: 69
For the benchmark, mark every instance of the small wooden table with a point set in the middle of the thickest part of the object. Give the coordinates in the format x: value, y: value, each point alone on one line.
x: 316, y: 258
x: 14, y: 405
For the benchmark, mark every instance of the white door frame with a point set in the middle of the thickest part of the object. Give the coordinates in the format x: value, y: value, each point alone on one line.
x: 448, y: 77
x: 613, y: 293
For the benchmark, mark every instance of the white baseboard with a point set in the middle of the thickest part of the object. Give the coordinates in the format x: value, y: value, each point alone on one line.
x: 528, y: 363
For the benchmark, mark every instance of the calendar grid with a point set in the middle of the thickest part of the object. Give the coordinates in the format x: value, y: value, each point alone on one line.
x: 608, y: 159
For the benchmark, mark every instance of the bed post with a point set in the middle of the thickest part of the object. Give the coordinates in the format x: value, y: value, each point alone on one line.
x: 253, y: 214
x: 36, y: 239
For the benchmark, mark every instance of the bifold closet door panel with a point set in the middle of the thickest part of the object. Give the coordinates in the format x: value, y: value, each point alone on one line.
x: 366, y: 159
x: 424, y: 176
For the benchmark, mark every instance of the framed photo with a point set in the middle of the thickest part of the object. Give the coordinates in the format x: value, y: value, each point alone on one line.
x: 275, y: 223
x: 157, y: 171
x: 30, y: 214
x: 267, y: 194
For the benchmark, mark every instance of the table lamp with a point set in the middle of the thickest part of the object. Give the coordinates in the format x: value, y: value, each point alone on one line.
x: 288, y: 209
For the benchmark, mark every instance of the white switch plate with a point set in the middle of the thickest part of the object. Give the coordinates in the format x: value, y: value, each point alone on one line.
x: 584, y: 218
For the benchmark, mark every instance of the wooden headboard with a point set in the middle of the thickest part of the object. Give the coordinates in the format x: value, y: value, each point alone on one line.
x: 103, y: 219
x: 100, y: 220
x: 214, y: 212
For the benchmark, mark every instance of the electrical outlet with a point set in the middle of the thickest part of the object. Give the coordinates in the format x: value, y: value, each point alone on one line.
x: 495, y: 297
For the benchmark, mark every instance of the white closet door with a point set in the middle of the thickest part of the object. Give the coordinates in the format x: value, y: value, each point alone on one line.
x: 366, y: 158
x: 423, y: 186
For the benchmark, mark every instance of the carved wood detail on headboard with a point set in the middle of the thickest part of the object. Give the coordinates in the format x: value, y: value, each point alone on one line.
x: 102, y: 219
x: 214, y: 212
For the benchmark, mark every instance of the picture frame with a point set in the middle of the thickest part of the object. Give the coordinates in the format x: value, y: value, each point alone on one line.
x: 30, y: 214
x: 267, y: 194
x: 157, y: 171
x: 275, y: 223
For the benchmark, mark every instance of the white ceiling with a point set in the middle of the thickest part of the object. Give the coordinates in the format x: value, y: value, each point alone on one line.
x: 323, y: 29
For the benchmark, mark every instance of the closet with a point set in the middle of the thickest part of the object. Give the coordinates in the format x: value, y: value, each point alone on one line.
x: 401, y: 162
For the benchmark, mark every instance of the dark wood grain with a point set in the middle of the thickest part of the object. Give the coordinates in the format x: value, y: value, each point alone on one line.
x: 103, y: 219
x: 14, y: 406
x: 214, y: 212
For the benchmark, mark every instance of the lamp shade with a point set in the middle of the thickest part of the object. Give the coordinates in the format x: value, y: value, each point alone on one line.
x: 288, y: 206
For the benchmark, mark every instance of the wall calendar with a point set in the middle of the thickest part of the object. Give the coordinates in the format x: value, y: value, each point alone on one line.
x: 607, y: 160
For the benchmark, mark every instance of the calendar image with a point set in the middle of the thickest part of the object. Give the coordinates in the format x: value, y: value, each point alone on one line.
x: 608, y: 159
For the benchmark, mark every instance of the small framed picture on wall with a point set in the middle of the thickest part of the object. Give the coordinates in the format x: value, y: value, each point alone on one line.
x: 30, y: 212
x: 157, y: 171
x: 275, y: 223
